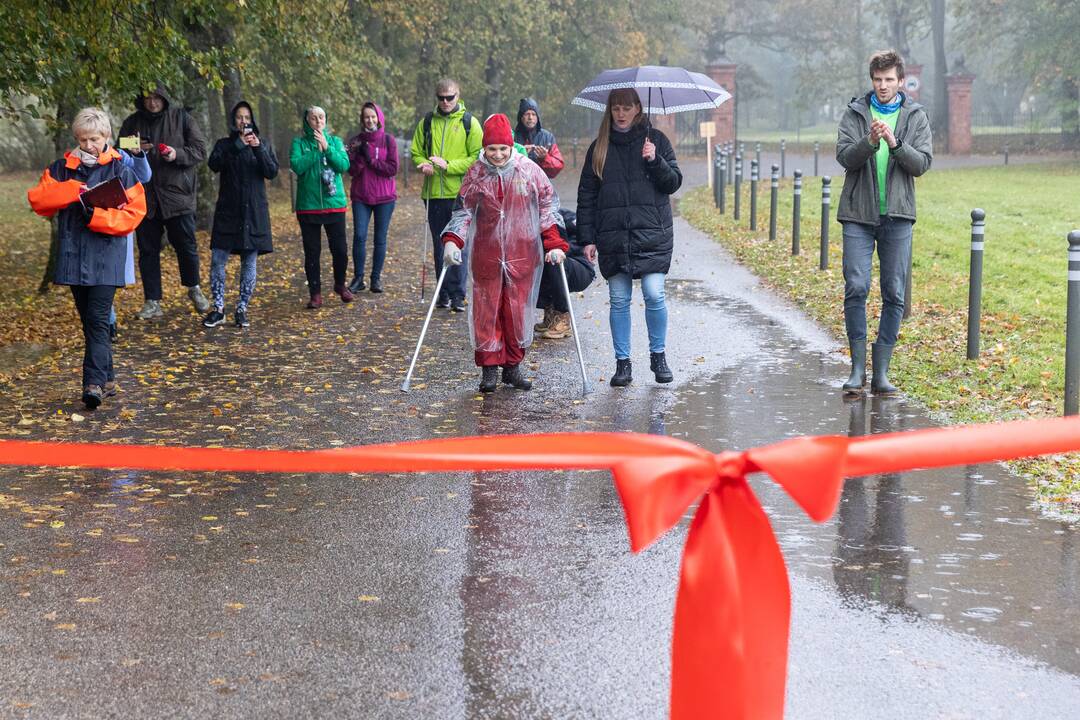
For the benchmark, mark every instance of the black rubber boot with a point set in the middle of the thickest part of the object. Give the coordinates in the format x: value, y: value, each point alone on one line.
x: 857, y: 381
x: 658, y: 364
x: 622, y: 376
x: 881, y: 356
x: 512, y: 376
x: 489, y: 379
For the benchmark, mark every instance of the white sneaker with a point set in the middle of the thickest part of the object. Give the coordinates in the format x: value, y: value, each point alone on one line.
x: 151, y: 310
x: 198, y: 299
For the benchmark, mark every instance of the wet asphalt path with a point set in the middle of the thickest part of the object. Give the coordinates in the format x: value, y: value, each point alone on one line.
x: 501, y: 595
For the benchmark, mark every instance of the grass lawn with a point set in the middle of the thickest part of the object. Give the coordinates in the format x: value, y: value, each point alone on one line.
x: 1030, y: 209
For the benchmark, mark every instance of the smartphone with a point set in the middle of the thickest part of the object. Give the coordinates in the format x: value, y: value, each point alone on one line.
x: 129, y: 142
x: 248, y: 130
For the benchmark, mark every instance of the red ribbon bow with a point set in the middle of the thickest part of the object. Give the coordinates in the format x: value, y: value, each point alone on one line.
x: 729, y: 650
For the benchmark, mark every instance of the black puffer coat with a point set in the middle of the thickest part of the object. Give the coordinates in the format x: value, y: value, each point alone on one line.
x: 627, y: 215
x: 242, y: 215
x: 171, y: 190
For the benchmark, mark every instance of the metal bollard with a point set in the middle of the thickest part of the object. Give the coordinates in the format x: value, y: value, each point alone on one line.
x: 757, y: 153
x: 716, y: 178
x: 405, y: 162
x: 978, y: 229
x: 796, y: 212
x: 1072, y: 329
x: 292, y: 189
x: 1006, y: 154
x: 731, y: 163
x: 774, y: 198
x: 575, y: 152
x: 826, y: 200
x: 783, y: 158
x: 753, y: 193
x: 738, y: 185
x: 742, y: 149
x: 723, y: 182
x: 817, y: 148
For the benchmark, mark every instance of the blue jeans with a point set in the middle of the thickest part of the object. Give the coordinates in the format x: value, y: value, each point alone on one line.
x: 362, y: 213
x: 620, y: 292
x: 893, y: 238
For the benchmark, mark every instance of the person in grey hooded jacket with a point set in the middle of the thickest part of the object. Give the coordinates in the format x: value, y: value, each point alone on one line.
x: 883, y: 144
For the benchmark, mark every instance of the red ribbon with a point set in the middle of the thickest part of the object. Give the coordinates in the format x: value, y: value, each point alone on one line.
x: 729, y: 645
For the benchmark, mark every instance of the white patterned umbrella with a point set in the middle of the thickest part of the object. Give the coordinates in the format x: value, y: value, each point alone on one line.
x: 663, y: 90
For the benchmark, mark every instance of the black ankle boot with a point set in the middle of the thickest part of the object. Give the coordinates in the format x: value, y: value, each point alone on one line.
x: 622, y: 376
x: 881, y: 356
x: 512, y: 376
x: 857, y: 381
x: 658, y: 364
x: 489, y: 379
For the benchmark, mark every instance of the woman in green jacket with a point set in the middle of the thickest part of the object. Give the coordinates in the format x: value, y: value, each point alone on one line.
x: 318, y: 158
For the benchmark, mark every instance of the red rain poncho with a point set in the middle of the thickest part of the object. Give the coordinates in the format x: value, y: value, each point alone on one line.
x: 508, y: 218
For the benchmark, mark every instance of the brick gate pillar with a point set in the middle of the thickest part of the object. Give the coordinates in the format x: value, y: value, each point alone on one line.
x: 959, y: 89
x: 722, y: 71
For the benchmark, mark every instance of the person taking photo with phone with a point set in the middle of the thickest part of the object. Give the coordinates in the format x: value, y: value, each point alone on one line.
x: 245, y: 162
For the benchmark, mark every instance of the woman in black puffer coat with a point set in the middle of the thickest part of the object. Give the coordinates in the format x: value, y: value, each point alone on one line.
x: 624, y: 217
x: 242, y: 216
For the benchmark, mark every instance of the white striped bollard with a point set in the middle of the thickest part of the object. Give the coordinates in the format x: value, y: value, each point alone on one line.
x: 738, y: 185
x: 826, y: 200
x: 1072, y: 329
x: 974, y: 323
x: 774, y: 197
x: 796, y: 212
x: 753, y: 193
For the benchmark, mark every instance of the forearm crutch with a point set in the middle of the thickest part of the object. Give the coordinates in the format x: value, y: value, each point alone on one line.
x: 423, y: 330
x: 586, y: 388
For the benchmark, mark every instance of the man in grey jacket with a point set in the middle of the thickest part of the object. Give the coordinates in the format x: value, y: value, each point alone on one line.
x: 883, y: 144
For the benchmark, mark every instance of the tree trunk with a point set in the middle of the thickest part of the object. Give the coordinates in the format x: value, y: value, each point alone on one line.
x: 859, y: 48
x: 493, y: 80
x: 940, y: 116
x: 1070, y: 113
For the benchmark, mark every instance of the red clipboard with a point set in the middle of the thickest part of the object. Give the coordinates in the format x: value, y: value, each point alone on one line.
x: 109, y: 194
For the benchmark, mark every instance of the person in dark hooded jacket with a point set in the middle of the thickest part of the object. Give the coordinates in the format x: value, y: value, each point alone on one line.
x: 174, y: 145
x: 552, y: 296
x: 242, y: 216
x: 539, y: 143
x: 624, y: 217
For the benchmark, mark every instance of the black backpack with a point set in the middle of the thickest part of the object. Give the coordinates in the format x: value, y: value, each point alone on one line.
x: 466, y: 121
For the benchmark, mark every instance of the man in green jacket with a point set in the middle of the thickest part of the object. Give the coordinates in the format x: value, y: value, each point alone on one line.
x: 446, y: 143
x: 883, y: 144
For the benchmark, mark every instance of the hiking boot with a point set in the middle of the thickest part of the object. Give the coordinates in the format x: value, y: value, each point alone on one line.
x: 559, y: 327
x: 357, y: 285
x: 376, y: 285
x: 443, y: 301
x: 511, y: 375
x: 195, y: 294
x: 544, y: 324
x: 240, y: 318
x: 457, y: 305
x: 213, y: 318
x: 110, y: 389
x: 151, y: 310
x: 880, y: 357
x: 92, y: 396
x: 857, y: 381
x: 658, y: 364
x: 489, y: 378
x: 315, y: 302
x: 346, y: 295
x: 622, y: 376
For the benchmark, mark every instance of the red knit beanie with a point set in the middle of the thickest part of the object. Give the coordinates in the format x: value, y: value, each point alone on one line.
x: 497, y: 131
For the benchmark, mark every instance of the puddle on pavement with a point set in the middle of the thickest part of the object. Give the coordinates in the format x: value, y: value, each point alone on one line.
x: 963, y: 546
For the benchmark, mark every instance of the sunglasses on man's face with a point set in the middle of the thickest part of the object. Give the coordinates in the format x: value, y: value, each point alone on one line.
x: 446, y: 98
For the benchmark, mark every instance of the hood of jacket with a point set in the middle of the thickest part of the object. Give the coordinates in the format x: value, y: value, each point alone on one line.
x: 309, y: 132
x: 159, y: 89
x: 862, y: 104
x: 235, y: 131
x: 524, y: 106
x: 373, y: 135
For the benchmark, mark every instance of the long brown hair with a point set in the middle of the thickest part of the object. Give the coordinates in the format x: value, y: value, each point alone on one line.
x: 622, y: 96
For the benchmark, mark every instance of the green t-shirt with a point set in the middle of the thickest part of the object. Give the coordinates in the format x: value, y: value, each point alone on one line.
x: 882, y: 156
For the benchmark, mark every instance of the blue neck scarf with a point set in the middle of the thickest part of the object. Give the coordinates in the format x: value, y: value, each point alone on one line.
x: 887, y: 109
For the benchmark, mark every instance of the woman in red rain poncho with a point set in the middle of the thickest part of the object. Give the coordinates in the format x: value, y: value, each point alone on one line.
x: 507, y: 213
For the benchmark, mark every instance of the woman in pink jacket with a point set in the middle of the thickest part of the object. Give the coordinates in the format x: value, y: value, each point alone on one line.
x: 373, y: 163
